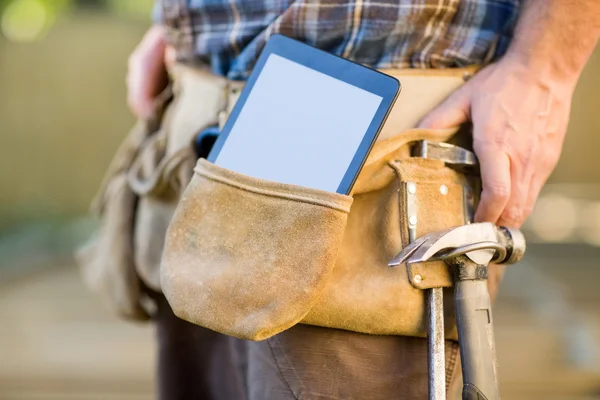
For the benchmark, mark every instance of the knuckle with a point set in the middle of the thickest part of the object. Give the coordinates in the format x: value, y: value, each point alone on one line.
x: 495, y: 135
x: 522, y: 160
x: 513, y: 214
x: 510, y: 220
x: 499, y: 140
x: 527, y: 211
x: 489, y: 145
x: 499, y: 191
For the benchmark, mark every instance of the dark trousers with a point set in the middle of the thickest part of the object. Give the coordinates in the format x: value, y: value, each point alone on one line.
x: 304, y: 362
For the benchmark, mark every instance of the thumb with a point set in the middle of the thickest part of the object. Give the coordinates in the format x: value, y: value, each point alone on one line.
x: 451, y: 113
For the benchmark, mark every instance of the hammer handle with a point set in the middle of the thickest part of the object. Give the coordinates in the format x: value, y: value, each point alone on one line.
x: 476, y: 339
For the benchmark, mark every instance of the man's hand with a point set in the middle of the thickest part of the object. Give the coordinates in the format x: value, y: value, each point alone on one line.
x: 519, y: 123
x: 520, y: 105
x: 146, y: 75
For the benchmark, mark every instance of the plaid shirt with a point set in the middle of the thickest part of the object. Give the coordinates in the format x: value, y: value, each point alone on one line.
x: 229, y: 34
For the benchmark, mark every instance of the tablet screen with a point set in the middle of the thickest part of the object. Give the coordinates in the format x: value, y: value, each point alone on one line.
x: 298, y: 126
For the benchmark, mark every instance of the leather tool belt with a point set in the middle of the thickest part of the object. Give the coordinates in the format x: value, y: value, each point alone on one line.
x: 251, y: 258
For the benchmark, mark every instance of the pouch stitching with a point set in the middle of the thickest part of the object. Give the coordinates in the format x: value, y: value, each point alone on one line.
x: 400, y: 201
x: 271, y: 193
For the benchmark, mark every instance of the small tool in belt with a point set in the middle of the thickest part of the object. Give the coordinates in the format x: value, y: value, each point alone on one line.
x: 204, y: 141
x: 468, y: 250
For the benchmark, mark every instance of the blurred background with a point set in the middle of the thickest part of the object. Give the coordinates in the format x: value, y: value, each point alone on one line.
x: 62, y: 115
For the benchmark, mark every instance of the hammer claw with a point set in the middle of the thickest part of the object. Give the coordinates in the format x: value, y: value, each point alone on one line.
x: 437, y: 245
x: 407, y: 252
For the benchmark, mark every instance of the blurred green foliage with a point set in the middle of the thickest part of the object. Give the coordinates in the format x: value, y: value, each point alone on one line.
x: 132, y: 7
x: 29, y: 20
x: 140, y: 9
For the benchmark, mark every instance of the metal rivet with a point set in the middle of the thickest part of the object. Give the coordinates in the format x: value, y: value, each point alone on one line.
x: 417, y: 279
x: 444, y: 190
x: 412, y: 220
x: 412, y: 187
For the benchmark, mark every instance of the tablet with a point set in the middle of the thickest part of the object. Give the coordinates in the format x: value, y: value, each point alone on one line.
x: 305, y: 117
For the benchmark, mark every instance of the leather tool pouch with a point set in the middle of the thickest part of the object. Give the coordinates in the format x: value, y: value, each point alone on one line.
x: 157, y: 180
x: 250, y: 258
x: 107, y: 261
x: 142, y: 189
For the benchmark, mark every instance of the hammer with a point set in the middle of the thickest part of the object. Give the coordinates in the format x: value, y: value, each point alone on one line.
x: 468, y: 250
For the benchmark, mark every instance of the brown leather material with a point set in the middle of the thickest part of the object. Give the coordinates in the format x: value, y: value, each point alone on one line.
x: 195, y: 86
x: 248, y: 257
x: 152, y: 220
x: 157, y: 180
x: 363, y: 294
x: 141, y: 189
x: 436, y: 211
x: 164, y: 165
x: 214, y: 226
x: 107, y: 261
x: 377, y: 230
x: 154, y: 174
x: 422, y: 90
x: 376, y: 173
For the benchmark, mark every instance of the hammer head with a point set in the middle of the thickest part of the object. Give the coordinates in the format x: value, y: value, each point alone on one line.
x: 480, y: 242
x: 514, y: 240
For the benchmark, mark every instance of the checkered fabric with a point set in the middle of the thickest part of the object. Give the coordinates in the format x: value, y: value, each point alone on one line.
x: 229, y: 34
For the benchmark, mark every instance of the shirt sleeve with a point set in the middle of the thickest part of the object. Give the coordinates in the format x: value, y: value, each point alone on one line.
x: 157, y: 12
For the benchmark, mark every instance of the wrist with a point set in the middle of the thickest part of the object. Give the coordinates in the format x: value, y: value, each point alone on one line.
x: 542, y: 69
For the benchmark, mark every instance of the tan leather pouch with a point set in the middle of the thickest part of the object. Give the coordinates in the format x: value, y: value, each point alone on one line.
x: 365, y: 295
x: 248, y: 257
x: 165, y: 163
x: 251, y: 258
x: 107, y: 260
x: 157, y: 180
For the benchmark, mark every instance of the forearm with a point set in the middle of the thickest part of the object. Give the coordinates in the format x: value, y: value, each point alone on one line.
x: 556, y: 37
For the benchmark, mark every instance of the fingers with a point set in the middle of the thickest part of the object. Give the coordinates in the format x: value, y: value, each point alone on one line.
x: 139, y: 97
x: 450, y: 113
x: 514, y: 213
x: 146, y: 75
x: 530, y: 197
x: 496, y: 180
x: 534, y: 188
x: 170, y: 56
x: 495, y: 164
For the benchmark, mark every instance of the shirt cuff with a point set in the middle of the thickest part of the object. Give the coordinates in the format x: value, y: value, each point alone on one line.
x: 157, y: 13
